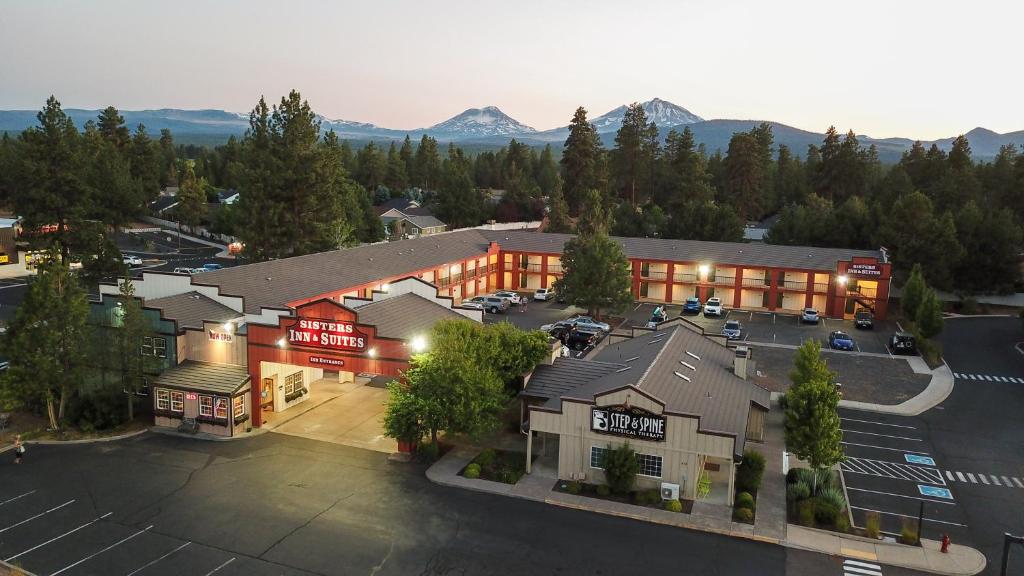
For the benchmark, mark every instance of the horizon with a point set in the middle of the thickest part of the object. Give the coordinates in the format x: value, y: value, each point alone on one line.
x: 430, y: 64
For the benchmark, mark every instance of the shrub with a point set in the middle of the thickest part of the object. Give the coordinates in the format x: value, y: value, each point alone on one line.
x: 825, y: 512
x: 826, y: 478
x: 428, y: 452
x: 509, y: 474
x: 653, y: 495
x: 744, y: 514
x: 603, y: 490
x: 800, y: 491
x: 744, y: 500
x: 842, y: 523
x: 645, y: 497
x: 486, y: 458
x: 673, y: 506
x: 806, y: 475
x: 472, y: 471
x: 791, y: 476
x: 806, y: 512
x: 969, y: 305
x: 908, y: 533
x: 782, y: 402
x: 573, y: 487
x: 833, y: 495
x: 872, y: 525
x: 750, y: 471
x: 620, y: 468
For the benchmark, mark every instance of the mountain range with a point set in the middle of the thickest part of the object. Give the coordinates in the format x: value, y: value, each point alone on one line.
x: 490, y: 127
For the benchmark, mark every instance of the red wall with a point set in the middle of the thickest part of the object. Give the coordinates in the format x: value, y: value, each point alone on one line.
x: 392, y: 355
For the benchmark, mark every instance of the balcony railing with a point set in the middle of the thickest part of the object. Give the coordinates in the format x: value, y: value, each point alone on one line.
x: 444, y: 282
x: 727, y: 280
x: 755, y: 283
x: 684, y: 278
x: 470, y: 274
x: 456, y: 278
x: 820, y: 287
x: 795, y: 284
x: 492, y: 267
x: 554, y: 268
x: 532, y: 268
x: 653, y: 275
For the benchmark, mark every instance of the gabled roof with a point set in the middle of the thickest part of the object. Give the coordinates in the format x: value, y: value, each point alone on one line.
x: 403, y: 205
x: 404, y: 316
x: 564, y: 375
x: 225, y: 379
x: 163, y: 203
x: 191, y: 309
x: 422, y: 222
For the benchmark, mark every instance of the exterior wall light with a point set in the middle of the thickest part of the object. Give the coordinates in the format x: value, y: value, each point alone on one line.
x: 419, y: 344
x: 385, y: 287
x: 842, y: 280
x: 372, y: 352
x: 228, y: 327
x: 703, y: 269
x: 281, y: 342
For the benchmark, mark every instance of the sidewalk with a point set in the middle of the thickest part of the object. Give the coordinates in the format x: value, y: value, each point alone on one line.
x: 960, y: 561
x: 939, y: 388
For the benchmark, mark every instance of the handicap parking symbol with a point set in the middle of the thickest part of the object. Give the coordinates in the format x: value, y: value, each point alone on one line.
x: 915, y: 459
x: 935, y: 492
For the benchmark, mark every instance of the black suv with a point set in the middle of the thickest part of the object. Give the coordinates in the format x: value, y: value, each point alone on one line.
x: 864, y: 319
x: 572, y: 337
x: 903, y: 343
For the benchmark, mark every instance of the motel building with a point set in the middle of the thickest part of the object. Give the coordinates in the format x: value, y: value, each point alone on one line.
x: 235, y: 348
x: 681, y: 400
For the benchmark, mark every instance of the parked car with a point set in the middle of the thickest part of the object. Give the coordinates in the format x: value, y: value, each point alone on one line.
x: 188, y: 271
x: 713, y: 307
x: 903, y: 343
x: 838, y: 340
x: 512, y: 297
x: 492, y: 304
x: 864, y: 319
x: 210, y: 266
x: 588, y: 324
x: 543, y: 294
x: 573, y: 337
x: 732, y: 329
x: 131, y: 260
x: 472, y: 305
x: 692, y: 305
x: 561, y: 323
x: 809, y: 316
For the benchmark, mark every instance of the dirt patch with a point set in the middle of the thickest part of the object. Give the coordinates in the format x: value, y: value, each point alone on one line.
x: 864, y: 378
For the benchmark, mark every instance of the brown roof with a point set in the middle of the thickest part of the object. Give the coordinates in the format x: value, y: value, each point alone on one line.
x: 191, y: 309
x: 223, y: 379
x: 404, y: 316
x: 276, y: 282
x: 726, y: 253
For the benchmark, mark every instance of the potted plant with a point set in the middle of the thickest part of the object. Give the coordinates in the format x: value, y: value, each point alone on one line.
x: 402, y: 418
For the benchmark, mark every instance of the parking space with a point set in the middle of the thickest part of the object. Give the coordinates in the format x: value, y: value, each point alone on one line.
x: 53, y: 534
x: 891, y: 469
x: 536, y: 314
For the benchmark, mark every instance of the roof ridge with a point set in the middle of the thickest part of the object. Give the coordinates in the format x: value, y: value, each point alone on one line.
x: 657, y: 357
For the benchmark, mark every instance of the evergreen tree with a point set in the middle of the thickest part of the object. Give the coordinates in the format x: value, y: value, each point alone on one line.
x: 191, y: 208
x: 580, y: 161
x: 929, y: 315
x: 595, y: 274
x: 634, y: 155
x: 458, y: 203
x: 144, y: 160
x: 547, y: 176
x: 111, y: 127
x: 594, y: 217
x: 558, y: 214
x: 744, y: 176
x: 683, y: 176
x: 168, y: 159
x: 408, y: 157
x: 132, y: 327
x: 812, y: 411
x: 428, y: 164
x: 396, y: 178
x: 372, y: 167
x: 913, y: 293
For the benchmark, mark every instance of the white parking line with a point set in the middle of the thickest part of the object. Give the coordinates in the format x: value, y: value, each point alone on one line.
x: 926, y: 519
x: 41, y: 514
x: 1017, y: 482
x: 884, y: 448
x: 55, y: 538
x: 995, y: 480
x: 147, y: 565
x: 219, y: 567
x: 95, y: 554
x: 17, y: 497
x: 950, y: 476
x: 972, y: 376
x: 878, y: 423
x: 882, y: 435
x: 971, y: 476
x: 1007, y: 481
x: 861, y: 568
x: 902, y: 496
x: 983, y: 479
x: 960, y: 476
x: 898, y: 471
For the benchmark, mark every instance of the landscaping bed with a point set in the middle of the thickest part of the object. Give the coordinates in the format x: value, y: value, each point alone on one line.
x: 748, y: 481
x: 502, y: 466
x: 648, y: 498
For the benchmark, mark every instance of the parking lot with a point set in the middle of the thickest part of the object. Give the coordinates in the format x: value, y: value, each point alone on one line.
x: 891, y: 469
x: 537, y: 314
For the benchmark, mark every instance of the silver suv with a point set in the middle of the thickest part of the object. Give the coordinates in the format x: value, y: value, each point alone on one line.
x: 492, y: 304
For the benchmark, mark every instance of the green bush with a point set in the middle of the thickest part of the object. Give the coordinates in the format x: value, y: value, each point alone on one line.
x: 872, y: 525
x: 573, y: 487
x: 833, y: 495
x: 825, y: 512
x: 806, y: 475
x: 800, y: 491
x: 826, y: 478
x: 744, y: 514
x: 486, y: 458
x: 97, y: 410
x: 805, y: 512
x: 750, y: 471
x: 782, y: 402
x: 472, y: 471
x: 791, y: 476
x: 908, y: 534
x: 653, y: 495
x: 621, y: 468
x: 744, y: 500
x: 673, y: 506
x: 603, y: 490
x: 842, y: 523
x: 428, y: 452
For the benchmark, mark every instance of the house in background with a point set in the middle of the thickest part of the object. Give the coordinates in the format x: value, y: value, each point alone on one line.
x: 404, y: 218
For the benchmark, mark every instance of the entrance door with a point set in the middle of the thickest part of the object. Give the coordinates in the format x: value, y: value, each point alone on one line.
x: 267, y: 393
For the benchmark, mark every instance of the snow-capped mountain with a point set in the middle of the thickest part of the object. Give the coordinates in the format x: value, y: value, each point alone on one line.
x: 664, y: 114
x: 480, y: 122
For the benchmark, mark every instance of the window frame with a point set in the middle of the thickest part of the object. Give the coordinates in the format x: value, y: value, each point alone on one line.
x: 206, y: 406
x: 163, y: 399
x: 602, y: 450
x: 238, y: 406
x: 155, y: 346
x: 220, y: 404
x: 640, y: 463
x: 291, y: 379
x: 180, y: 401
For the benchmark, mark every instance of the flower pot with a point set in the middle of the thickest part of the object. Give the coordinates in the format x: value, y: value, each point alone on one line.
x: 406, y: 447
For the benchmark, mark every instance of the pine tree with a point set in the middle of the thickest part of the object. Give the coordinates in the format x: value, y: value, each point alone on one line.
x: 744, y: 176
x: 547, y: 172
x: 111, y: 127
x: 191, y: 208
x: 580, y: 161
x: 912, y: 294
x: 428, y: 164
x: 929, y: 315
x: 595, y: 274
x: 634, y: 154
x: 812, y: 411
x: 558, y: 215
x: 396, y: 179
x: 144, y: 160
x: 131, y: 328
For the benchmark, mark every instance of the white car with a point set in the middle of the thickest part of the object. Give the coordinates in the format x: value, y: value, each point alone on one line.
x: 713, y: 307
x: 188, y: 271
x: 131, y: 260
x: 810, y: 316
x: 543, y: 294
x: 512, y: 297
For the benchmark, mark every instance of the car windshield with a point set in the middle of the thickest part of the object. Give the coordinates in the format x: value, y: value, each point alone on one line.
x: 863, y: 314
x: 811, y: 312
x: 714, y: 301
x: 732, y: 325
x: 841, y: 336
x: 691, y: 300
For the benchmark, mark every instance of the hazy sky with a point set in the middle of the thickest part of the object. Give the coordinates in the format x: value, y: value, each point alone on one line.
x: 922, y: 69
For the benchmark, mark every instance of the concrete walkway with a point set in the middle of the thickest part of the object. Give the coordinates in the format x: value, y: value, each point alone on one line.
x: 939, y: 388
x: 960, y: 561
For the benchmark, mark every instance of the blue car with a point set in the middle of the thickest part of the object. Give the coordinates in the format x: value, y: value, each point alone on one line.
x: 692, y: 305
x: 841, y: 341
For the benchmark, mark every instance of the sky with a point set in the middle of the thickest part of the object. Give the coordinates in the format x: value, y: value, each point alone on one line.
x: 917, y: 69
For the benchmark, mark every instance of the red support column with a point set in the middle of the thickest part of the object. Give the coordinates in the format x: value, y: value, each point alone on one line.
x: 737, y: 290
x: 544, y: 271
x: 636, y: 279
x: 809, y: 292
x: 670, y: 272
x: 773, y: 288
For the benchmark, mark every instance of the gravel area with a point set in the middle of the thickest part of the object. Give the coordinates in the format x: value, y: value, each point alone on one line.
x: 864, y: 378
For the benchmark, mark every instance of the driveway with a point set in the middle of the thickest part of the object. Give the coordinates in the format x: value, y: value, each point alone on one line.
x: 348, y: 414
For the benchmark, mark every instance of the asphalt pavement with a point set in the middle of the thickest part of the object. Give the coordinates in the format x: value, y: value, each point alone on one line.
x: 275, y: 504
x: 804, y: 563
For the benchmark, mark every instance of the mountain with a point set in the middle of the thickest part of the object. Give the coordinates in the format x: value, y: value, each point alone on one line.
x: 665, y: 114
x: 480, y: 122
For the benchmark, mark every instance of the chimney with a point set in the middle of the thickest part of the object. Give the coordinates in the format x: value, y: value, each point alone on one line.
x: 740, y: 361
x: 554, y: 351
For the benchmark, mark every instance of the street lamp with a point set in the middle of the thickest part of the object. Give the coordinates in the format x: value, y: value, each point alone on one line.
x: 419, y: 344
x: 228, y: 327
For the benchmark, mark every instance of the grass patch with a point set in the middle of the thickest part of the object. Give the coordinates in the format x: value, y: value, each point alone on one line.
x: 502, y: 466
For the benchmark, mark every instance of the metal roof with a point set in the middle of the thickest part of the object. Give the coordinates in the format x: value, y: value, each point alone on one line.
x: 563, y: 375
x: 404, y: 316
x: 725, y: 253
x: 224, y: 379
x: 191, y: 309
x: 422, y: 222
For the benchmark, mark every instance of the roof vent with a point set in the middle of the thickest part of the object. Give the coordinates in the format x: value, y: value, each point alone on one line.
x: 683, y: 376
x: 688, y: 365
x: 269, y: 278
x: 692, y: 355
x: 655, y: 341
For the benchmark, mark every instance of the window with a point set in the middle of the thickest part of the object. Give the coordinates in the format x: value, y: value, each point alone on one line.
x: 649, y: 465
x: 524, y: 261
x: 154, y: 346
x: 292, y: 383
x: 206, y: 406
x: 221, y: 409
x: 522, y: 280
x: 163, y: 399
x: 238, y: 406
x: 597, y: 457
x: 177, y: 401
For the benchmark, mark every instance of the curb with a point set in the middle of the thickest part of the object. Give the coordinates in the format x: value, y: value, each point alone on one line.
x: 80, y: 441
x: 912, y: 407
x: 206, y: 437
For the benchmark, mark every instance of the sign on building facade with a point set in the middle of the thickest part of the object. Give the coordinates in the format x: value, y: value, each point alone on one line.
x: 628, y: 421
x: 329, y: 334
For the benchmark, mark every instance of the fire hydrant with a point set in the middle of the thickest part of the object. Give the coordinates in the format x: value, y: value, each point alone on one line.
x: 945, y: 544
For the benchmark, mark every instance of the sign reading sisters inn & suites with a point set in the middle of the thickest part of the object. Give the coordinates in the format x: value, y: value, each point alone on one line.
x: 628, y: 421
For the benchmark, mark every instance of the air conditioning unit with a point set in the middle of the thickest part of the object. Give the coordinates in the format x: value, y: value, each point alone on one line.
x: 669, y: 491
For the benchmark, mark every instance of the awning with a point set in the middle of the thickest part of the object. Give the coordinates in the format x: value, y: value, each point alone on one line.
x: 222, y: 379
